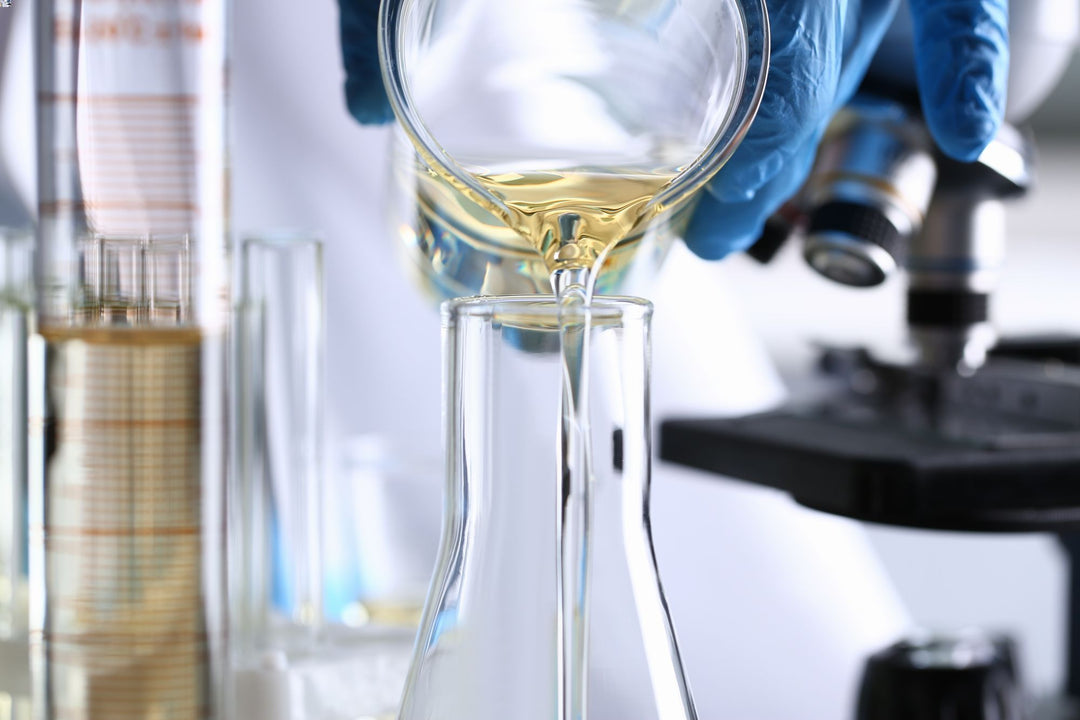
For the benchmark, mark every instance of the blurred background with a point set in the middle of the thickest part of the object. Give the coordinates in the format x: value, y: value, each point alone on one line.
x: 300, y: 161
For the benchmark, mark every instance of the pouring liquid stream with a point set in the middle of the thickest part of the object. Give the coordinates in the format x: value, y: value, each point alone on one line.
x: 573, y: 289
x: 574, y: 219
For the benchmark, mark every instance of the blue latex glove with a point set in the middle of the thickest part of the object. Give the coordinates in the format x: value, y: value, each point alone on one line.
x: 364, y: 91
x: 820, y: 52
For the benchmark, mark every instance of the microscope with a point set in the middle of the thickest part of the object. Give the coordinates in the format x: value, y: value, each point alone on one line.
x: 971, y: 432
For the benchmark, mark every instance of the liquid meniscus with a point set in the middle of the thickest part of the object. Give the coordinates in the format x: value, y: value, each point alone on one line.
x: 573, y: 218
x: 457, y: 244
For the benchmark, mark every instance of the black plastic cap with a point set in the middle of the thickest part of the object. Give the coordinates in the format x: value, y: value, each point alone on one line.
x: 962, y: 678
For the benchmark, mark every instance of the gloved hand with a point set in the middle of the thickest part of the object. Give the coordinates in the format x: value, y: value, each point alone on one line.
x: 364, y: 91
x: 820, y: 52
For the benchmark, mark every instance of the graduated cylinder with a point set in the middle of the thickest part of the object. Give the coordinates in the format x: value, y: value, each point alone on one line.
x: 127, y: 435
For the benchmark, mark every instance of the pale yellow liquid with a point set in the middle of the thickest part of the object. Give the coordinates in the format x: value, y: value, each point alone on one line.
x: 460, y: 243
x: 603, y: 208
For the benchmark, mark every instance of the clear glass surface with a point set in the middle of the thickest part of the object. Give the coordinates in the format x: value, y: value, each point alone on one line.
x: 16, y: 307
x: 14, y: 213
x: 577, y: 124
x: 500, y: 637
x: 127, y: 360
x: 289, y: 657
x: 16, y: 322
x: 280, y: 334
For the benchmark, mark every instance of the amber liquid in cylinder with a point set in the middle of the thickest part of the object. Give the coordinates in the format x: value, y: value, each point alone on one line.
x: 125, y: 634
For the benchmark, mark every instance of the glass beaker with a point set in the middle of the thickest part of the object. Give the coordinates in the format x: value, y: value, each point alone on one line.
x: 128, y: 435
x: 498, y: 639
x: 388, y: 511
x: 453, y: 247
x: 562, y: 133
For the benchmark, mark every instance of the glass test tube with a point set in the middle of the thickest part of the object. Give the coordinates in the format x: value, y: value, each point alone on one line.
x: 127, y: 454
x: 279, y: 401
x: 16, y: 302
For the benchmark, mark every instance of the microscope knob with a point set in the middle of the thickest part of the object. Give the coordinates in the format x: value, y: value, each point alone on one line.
x: 774, y: 234
x: 968, y: 677
x: 852, y: 243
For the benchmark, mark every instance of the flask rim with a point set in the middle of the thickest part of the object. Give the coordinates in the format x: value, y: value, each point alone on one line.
x: 545, y: 310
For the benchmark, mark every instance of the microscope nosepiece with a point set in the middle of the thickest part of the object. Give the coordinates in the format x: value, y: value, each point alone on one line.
x: 868, y: 193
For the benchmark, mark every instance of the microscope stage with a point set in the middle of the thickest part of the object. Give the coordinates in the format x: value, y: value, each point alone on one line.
x: 998, y: 451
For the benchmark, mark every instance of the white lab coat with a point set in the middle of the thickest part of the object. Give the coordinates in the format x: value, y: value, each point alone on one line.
x: 775, y: 606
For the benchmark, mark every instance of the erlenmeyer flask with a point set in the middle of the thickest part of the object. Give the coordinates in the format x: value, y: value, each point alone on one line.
x: 490, y: 644
x: 527, y: 113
